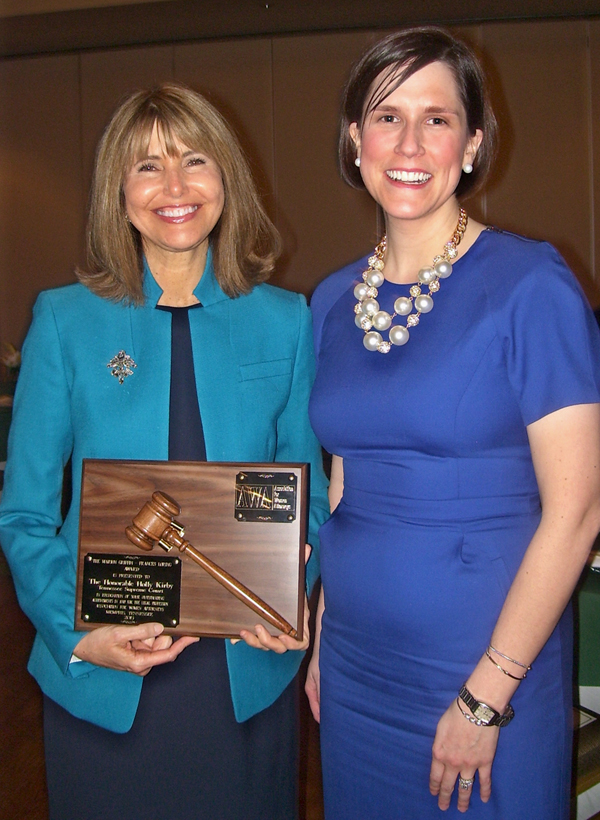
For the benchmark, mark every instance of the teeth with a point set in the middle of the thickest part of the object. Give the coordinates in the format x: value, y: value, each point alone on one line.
x: 408, y: 176
x: 177, y: 212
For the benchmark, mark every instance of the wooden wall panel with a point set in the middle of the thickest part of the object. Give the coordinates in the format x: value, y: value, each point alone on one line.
x: 186, y: 20
x: 41, y: 189
x: 543, y: 189
x: 282, y: 95
x: 325, y: 223
x: 106, y: 79
x: 476, y: 204
x: 236, y: 76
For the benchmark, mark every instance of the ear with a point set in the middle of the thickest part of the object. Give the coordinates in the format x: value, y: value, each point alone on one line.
x: 354, y: 132
x: 473, y: 144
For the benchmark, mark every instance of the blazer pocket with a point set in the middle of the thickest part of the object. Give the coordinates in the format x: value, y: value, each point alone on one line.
x: 264, y: 370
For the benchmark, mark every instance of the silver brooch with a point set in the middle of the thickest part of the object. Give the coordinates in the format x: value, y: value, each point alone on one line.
x: 121, y: 366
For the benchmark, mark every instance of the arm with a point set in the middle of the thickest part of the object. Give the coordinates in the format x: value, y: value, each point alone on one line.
x: 40, y: 443
x: 565, y: 447
x: 39, y: 546
x: 313, y: 679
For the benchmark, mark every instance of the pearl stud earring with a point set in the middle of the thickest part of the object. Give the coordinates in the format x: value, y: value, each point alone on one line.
x: 467, y: 168
x: 357, y: 162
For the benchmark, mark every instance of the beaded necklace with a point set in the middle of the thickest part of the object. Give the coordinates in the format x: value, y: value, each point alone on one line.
x: 372, y: 320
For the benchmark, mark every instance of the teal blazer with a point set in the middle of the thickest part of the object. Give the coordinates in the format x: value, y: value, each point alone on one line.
x: 253, y: 361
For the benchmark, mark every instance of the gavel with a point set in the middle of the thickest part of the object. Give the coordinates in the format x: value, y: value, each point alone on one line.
x: 155, y: 523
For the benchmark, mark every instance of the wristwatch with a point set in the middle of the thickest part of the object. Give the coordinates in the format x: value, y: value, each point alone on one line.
x: 484, y: 715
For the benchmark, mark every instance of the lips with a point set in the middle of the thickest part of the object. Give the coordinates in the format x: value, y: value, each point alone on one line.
x: 411, y: 177
x: 176, y: 214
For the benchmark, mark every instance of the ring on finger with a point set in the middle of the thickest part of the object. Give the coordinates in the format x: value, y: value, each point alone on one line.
x: 465, y: 782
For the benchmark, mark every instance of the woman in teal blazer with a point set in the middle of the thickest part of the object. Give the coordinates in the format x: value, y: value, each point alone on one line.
x: 175, y: 223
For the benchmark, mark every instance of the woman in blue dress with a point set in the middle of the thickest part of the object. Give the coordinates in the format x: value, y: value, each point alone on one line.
x: 458, y: 381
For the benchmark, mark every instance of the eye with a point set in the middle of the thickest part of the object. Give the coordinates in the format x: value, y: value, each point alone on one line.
x: 389, y: 118
x: 146, y: 166
x: 195, y: 161
x: 437, y: 121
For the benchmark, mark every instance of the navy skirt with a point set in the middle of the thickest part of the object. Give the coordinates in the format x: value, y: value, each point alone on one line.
x: 185, y: 757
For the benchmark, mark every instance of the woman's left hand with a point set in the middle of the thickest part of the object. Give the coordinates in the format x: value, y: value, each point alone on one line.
x: 461, y: 749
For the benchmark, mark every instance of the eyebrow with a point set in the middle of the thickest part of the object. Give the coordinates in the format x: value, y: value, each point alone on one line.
x: 156, y: 156
x: 431, y: 109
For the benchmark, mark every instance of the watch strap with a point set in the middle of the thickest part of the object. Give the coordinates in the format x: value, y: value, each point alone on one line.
x: 485, y: 715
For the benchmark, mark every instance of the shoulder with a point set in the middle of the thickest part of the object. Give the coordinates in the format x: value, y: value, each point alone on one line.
x: 514, y: 267
x: 548, y: 332
x: 276, y: 305
x: 530, y: 288
x: 68, y: 300
x: 330, y: 289
x: 273, y: 295
x: 73, y: 313
x: 520, y: 257
x: 75, y: 304
x: 270, y: 318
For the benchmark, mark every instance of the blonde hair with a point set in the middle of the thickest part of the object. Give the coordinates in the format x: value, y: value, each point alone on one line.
x: 244, y: 242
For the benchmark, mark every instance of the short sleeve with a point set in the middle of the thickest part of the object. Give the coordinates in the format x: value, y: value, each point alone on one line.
x: 550, y: 335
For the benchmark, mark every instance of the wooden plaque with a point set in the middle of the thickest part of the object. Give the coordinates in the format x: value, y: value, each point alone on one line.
x: 250, y: 519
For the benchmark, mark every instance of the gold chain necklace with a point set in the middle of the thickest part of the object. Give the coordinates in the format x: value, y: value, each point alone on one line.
x: 372, y: 320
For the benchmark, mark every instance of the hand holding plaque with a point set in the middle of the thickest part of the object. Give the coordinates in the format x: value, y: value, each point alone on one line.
x: 155, y: 523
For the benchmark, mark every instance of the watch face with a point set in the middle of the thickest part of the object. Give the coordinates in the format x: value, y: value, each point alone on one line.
x: 483, y: 713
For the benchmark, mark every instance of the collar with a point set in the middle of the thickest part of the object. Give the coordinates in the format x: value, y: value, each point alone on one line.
x: 207, y: 291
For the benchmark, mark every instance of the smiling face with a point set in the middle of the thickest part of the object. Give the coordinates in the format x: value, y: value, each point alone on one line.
x: 413, y: 144
x: 173, y: 201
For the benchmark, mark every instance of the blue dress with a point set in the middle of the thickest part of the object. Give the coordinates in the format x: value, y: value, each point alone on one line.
x: 440, y: 503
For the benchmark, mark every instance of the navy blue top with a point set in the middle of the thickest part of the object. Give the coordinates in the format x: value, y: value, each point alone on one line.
x: 186, y: 436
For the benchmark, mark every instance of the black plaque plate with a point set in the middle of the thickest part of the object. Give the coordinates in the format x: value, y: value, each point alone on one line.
x: 130, y: 589
x: 265, y: 497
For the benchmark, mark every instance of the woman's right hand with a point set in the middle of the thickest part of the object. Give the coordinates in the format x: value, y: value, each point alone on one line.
x: 312, y: 687
x: 133, y: 649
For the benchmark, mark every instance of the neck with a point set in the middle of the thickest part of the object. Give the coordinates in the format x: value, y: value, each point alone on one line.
x: 177, y: 274
x: 413, y: 243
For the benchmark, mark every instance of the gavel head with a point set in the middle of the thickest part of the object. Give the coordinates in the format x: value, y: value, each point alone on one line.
x: 153, y: 519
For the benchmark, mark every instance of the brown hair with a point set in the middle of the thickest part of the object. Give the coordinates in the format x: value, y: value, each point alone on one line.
x: 403, y: 54
x: 244, y: 242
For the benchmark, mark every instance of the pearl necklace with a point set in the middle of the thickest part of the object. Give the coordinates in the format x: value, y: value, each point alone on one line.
x: 368, y: 314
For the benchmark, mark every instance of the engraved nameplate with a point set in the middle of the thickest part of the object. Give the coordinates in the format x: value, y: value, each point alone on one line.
x: 130, y: 589
x: 265, y: 497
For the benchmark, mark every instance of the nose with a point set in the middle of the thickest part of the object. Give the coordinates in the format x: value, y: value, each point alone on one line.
x: 409, y: 141
x: 175, y: 182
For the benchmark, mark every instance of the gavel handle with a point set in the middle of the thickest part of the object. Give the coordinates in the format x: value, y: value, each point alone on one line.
x: 240, y: 591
